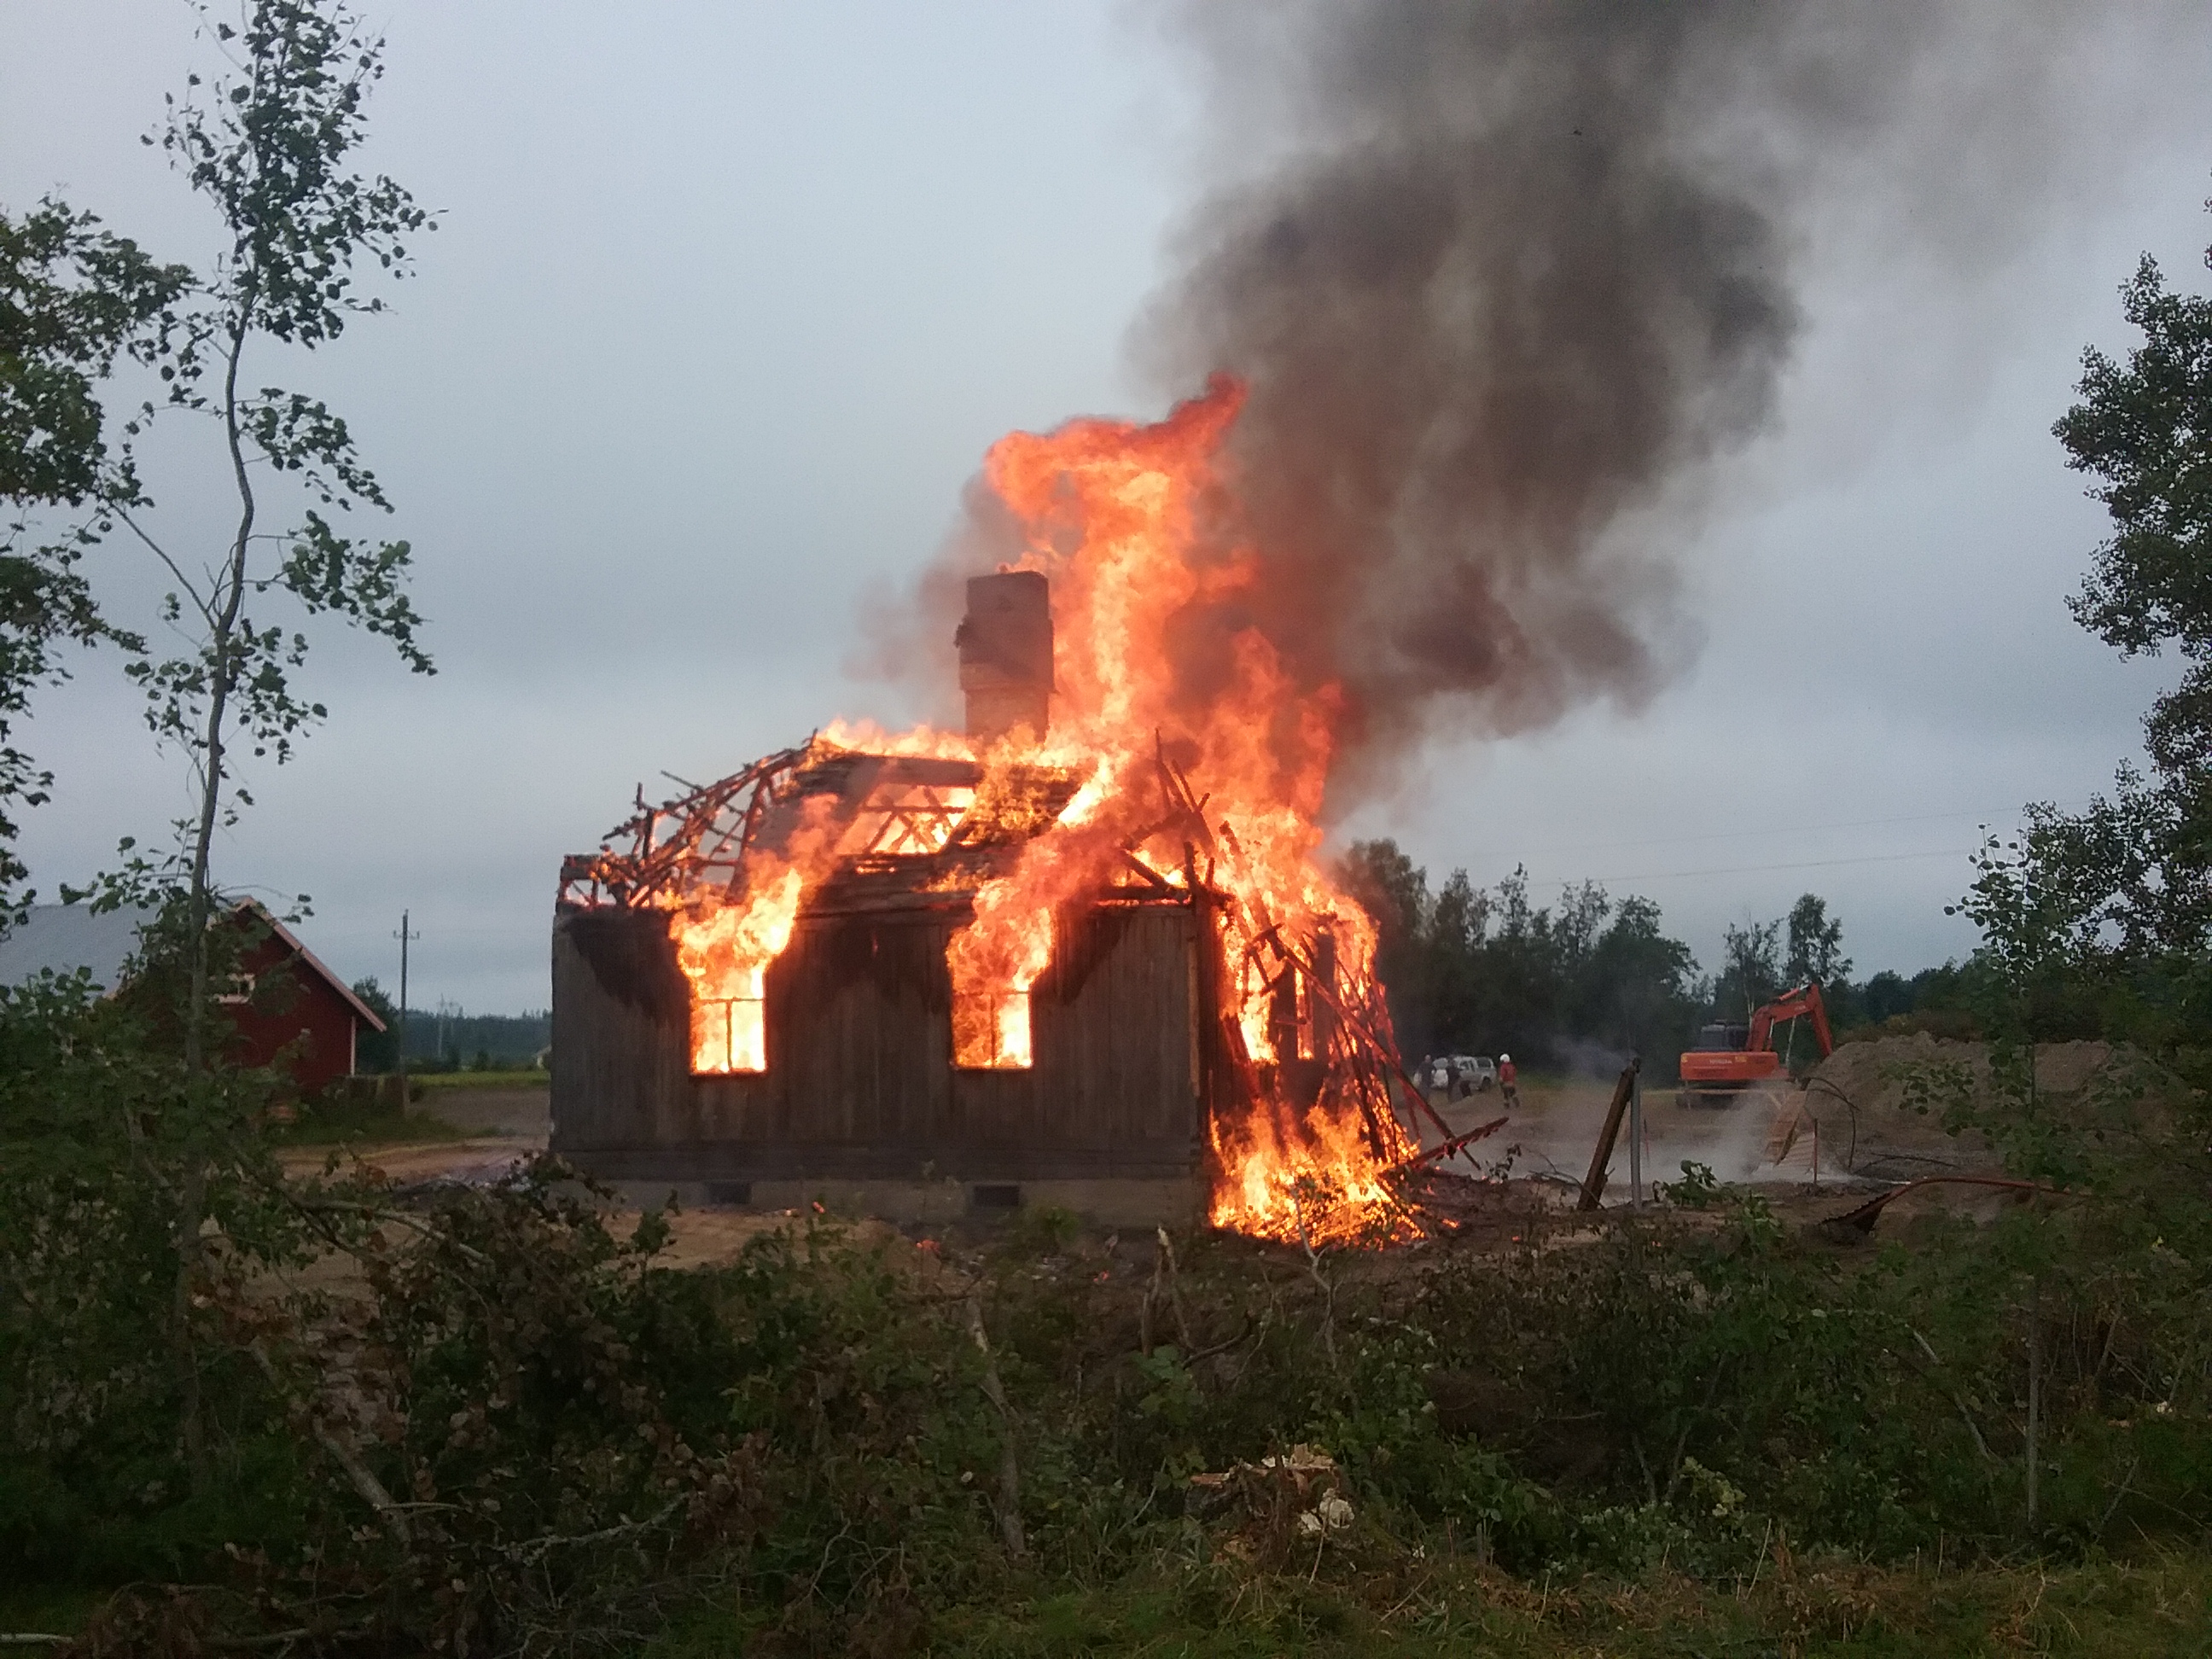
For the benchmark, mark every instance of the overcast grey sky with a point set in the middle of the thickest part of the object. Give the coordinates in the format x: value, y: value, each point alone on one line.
x: 730, y: 299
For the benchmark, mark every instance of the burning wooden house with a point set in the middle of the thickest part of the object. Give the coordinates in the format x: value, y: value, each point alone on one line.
x: 1032, y: 962
x: 854, y: 1059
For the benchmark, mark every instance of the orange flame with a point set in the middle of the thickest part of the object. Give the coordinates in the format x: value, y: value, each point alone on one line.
x: 1112, y: 512
x: 723, y: 946
x: 1134, y: 524
x: 991, y: 993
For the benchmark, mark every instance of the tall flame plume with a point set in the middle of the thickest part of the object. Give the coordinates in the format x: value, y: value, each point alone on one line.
x: 1210, y: 784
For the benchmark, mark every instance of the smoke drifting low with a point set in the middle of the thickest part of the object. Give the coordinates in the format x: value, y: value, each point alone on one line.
x: 1503, y: 277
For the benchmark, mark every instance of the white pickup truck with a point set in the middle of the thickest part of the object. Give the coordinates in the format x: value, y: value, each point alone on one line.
x: 1457, y: 1076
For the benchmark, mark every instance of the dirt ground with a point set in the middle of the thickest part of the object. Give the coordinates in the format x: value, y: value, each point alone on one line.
x: 1858, y: 1119
x: 1814, y: 1154
x: 1863, y: 1096
x: 504, y: 1113
x: 504, y: 1127
x: 1553, y: 1135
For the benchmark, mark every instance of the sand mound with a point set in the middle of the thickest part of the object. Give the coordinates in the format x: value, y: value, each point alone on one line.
x: 1867, y: 1098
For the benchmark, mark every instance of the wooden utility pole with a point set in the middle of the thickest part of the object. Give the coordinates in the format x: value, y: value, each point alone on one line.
x: 404, y: 935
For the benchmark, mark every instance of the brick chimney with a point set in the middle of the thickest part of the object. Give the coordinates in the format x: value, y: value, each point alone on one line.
x: 1005, y: 653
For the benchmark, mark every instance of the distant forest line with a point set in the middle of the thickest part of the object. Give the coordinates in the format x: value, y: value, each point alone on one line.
x: 450, y: 1041
x: 1587, y: 981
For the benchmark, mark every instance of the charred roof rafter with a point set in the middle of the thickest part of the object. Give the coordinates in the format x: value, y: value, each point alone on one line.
x: 681, y: 844
x: 932, y: 822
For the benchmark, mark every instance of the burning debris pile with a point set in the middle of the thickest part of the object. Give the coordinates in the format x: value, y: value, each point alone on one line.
x: 1089, y: 779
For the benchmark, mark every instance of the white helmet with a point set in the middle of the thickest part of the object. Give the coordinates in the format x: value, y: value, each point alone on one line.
x: 1506, y: 1059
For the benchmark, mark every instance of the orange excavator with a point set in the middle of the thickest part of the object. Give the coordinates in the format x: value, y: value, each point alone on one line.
x: 1730, y: 1058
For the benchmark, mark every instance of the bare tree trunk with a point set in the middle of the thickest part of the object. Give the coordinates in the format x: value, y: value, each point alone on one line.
x: 192, y: 1208
x: 222, y: 625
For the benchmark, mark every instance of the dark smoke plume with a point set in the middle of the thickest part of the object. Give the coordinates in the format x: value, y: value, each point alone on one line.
x: 1503, y: 276
x: 1520, y: 266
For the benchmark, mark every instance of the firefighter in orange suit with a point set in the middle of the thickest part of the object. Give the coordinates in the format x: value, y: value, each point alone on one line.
x: 1508, y: 1082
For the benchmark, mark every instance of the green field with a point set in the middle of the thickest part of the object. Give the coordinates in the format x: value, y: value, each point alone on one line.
x: 519, y: 1077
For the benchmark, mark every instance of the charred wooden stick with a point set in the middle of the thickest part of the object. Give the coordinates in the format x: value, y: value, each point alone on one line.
x: 1377, y: 1142
x: 1594, y: 1182
x: 1386, y: 1052
x: 1179, y: 787
x: 1455, y: 1145
x: 1151, y: 875
x: 1229, y: 1035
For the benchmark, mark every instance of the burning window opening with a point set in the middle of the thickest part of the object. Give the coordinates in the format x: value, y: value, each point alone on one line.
x: 730, y: 1034
x: 991, y: 1016
x: 991, y: 1031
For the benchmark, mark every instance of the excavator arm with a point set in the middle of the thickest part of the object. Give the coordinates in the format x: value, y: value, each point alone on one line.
x: 1805, y: 1000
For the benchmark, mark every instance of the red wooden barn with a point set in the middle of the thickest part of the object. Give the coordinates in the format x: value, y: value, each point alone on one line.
x: 283, y: 994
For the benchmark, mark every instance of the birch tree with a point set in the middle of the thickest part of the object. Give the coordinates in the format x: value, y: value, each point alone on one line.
x: 268, y: 144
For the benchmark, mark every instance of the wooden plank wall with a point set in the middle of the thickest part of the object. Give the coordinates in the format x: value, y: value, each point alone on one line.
x: 621, y: 1028
x: 860, y: 1080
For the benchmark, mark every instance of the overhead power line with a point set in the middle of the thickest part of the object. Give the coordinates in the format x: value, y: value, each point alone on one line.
x: 1793, y: 829
x: 1755, y: 869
